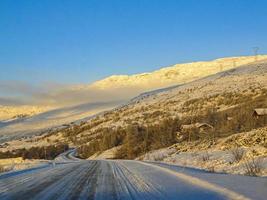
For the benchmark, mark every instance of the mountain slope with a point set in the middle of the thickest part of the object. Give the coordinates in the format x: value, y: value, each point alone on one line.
x: 168, y: 101
x: 123, y: 87
x: 34, y: 125
x: 233, y: 93
x: 221, y: 94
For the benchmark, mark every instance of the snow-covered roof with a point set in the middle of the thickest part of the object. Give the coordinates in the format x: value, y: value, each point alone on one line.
x: 261, y: 111
x: 199, y: 125
x: 196, y: 125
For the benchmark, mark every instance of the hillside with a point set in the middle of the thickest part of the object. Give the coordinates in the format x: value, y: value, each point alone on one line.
x: 106, y: 94
x: 12, y: 112
x: 225, y: 101
x: 37, y: 124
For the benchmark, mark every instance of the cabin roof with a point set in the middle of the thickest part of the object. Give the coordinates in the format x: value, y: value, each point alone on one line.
x: 261, y: 111
x: 199, y: 125
x: 196, y: 125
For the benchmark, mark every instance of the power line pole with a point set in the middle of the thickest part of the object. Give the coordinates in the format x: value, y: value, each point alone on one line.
x: 256, y: 49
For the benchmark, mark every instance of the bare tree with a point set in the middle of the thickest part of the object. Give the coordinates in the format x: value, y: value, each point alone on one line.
x: 237, y: 154
x: 253, y: 167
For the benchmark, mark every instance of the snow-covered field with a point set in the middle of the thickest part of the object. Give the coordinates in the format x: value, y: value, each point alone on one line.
x: 219, y: 157
x: 15, y: 164
x: 214, y: 161
x: 53, y: 118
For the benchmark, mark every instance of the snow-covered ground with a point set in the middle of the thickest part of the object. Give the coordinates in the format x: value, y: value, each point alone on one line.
x: 15, y: 164
x: 220, y: 156
x: 214, y: 161
x: 71, y: 178
x: 250, y: 187
x: 118, y: 179
x: 46, y: 120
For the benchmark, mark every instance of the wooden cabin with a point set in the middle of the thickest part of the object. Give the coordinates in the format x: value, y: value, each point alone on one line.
x: 200, y: 126
x: 194, y: 130
x: 260, y: 112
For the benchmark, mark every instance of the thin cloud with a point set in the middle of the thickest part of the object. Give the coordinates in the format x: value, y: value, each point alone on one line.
x: 17, y: 87
x: 59, y: 95
x: 11, y: 101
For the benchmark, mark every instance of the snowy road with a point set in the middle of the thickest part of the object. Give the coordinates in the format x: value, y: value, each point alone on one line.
x: 101, y: 179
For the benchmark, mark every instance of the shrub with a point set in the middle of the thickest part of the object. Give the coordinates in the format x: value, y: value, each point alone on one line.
x: 211, y: 169
x: 205, y: 157
x: 2, y: 169
x: 237, y: 154
x: 253, y: 167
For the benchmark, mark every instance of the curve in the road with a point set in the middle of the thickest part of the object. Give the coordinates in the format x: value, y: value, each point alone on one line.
x: 103, y: 180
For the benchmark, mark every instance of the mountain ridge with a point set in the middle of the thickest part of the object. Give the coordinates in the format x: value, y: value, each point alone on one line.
x: 174, y: 71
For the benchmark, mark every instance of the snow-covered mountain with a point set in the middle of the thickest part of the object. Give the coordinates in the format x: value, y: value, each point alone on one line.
x: 124, y: 87
x: 112, y: 91
x: 176, y: 74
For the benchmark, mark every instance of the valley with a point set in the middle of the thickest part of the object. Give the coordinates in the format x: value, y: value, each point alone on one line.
x: 188, y: 133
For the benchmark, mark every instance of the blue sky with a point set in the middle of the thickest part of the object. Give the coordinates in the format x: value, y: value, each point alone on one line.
x: 82, y: 41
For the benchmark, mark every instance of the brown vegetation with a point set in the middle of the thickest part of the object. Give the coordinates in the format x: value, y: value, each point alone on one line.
x: 253, y: 167
x: 237, y: 154
x: 46, y: 152
x: 134, y: 139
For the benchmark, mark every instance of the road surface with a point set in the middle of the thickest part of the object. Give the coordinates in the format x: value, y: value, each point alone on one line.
x: 72, y: 178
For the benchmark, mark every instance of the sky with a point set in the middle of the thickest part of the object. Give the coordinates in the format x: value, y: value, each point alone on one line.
x: 54, y: 42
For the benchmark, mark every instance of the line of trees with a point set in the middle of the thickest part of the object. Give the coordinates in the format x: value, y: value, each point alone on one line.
x: 133, y: 140
x: 45, y: 152
x: 141, y: 139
